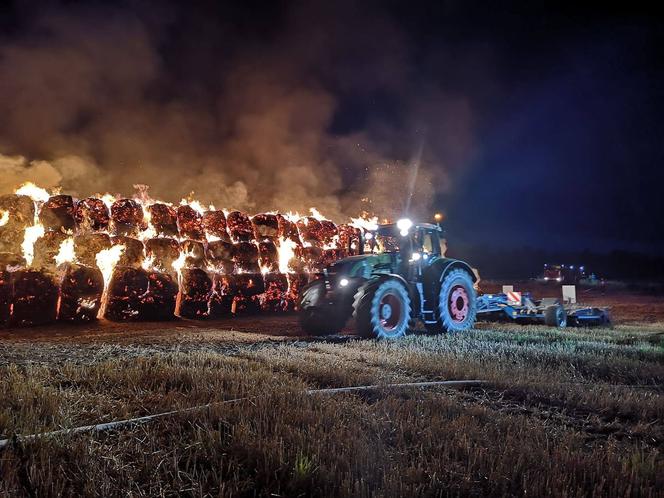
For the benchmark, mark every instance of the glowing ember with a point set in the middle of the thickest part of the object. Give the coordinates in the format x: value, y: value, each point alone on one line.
x: 66, y: 253
x: 36, y: 193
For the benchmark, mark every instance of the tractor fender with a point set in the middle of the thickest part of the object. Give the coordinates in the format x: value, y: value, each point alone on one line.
x: 453, y: 264
x: 412, y: 290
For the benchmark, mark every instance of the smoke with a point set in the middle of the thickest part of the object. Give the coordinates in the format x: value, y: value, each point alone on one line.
x: 317, y: 106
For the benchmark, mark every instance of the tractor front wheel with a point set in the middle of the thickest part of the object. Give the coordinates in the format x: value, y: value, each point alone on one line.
x: 382, y: 309
x: 318, y: 317
x: 457, y: 302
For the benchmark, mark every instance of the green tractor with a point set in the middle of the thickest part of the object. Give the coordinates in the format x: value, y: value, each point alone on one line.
x: 402, y: 279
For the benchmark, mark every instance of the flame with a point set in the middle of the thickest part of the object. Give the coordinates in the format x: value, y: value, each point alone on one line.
x: 66, y: 253
x: 37, y: 194
x: 107, y: 259
x: 4, y: 217
x: 108, y: 199
x: 178, y: 264
x: 334, y: 244
x: 365, y: 222
x: 32, y: 233
x: 194, y: 204
x: 315, y: 213
x: 286, y: 251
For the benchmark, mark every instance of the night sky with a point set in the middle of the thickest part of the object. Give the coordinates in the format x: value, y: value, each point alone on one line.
x: 527, y: 124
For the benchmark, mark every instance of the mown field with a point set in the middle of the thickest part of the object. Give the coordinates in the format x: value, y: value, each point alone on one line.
x: 576, y: 412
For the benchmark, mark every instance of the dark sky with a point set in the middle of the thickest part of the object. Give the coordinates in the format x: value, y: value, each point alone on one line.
x: 532, y: 123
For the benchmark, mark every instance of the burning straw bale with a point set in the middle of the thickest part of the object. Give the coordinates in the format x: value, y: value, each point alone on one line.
x: 34, y: 298
x: 20, y: 208
x: 220, y: 302
x: 57, y: 213
x: 311, y: 230
x: 288, y: 229
x: 195, y: 291
x: 162, y: 252
x: 220, y: 255
x: 239, y: 226
x: 190, y: 223
x: 127, y: 286
x: 276, y: 297
x: 349, y: 239
x: 46, y: 248
x: 328, y: 232
x: 268, y: 256
x: 195, y: 254
x: 81, y: 289
x: 91, y: 215
x: 164, y: 219
x: 127, y: 216
x: 5, y: 296
x: 133, y: 254
x: 88, y: 245
x: 159, y: 301
x: 214, y: 224
x: 266, y: 226
x: 245, y: 256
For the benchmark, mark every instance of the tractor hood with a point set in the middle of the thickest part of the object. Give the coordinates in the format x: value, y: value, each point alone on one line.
x: 363, y: 265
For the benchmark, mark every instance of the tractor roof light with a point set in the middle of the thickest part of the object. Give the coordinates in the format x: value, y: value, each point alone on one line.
x: 404, y: 225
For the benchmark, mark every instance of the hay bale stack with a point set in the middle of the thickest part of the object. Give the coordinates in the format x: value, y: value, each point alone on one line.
x: 91, y: 215
x: 57, y: 214
x: 81, y: 289
x: 127, y: 218
x: 88, y: 245
x: 240, y: 227
x: 190, y: 223
x: 164, y: 219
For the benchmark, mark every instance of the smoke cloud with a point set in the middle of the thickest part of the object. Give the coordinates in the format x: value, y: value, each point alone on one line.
x: 316, y: 106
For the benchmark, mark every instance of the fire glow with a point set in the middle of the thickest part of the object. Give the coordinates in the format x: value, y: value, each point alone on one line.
x: 165, y: 259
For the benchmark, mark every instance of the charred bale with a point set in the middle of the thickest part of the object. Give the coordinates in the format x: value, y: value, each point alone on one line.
x: 57, y: 213
x: 88, y: 245
x: 159, y: 301
x: 220, y: 303
x: 266, y: 226
x: 127, y: 216
x: 34, y: 298
x: 296, y: 281
x: 190, y: 223
x: 46, y: 248
x: 239, y: 227
x: 195, y: 290
x: 247, y: 284
x: 194, y: 254
x: 214, y: 224
x: 350, y: 239
x: 125, y: 293
x: 245, y: 256
x: 164, y: 219
x: 91, y: 215
x: 268, y: 256
x: 276, y: 296
x: 133, y: 254
x: 313, y: 258
x: 81, y: 289
x: 162, y: 252
x: 329, y: 232
x: 220, y: 255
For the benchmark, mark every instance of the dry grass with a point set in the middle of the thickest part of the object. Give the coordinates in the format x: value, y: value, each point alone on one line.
x: 566, y: 413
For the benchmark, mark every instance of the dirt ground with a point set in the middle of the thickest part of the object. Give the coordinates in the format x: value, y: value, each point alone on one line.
x: 573, y: 412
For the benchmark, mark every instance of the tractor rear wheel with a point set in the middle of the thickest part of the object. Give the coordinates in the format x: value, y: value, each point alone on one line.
x: 318, y: 317
x: 555, y: 316
x: 457, y: 302
x: 382, y: 309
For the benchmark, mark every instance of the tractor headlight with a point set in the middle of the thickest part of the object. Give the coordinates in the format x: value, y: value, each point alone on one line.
x: 343, y: 282
x: 416, y: 256
x: 404, y: 225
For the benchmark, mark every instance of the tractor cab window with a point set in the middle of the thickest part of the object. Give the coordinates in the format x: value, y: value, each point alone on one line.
x: 428, y: 242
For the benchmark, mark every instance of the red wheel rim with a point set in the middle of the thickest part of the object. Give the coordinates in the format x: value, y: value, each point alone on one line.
x: 459, y: 304
x: 389, y: 310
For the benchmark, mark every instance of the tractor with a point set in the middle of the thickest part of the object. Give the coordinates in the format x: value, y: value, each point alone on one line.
x: 403, y: 277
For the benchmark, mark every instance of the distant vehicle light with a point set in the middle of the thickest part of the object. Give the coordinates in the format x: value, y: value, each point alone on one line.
x: 343, y: 282
x: 559, y: 279
x: 416, y: 256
